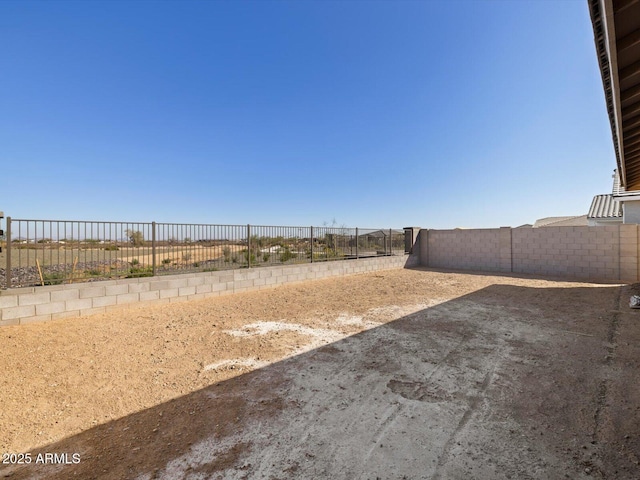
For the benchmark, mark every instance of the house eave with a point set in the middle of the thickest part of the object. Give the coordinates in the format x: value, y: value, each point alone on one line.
x: 631, y: 197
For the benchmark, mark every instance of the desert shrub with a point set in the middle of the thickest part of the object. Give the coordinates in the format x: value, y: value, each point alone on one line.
x: 286, y: 254
x: 135, y: 261
x: 166, y: 261
x: 248, y: 256
x: 53, y: 278
x: 226, y: 252
x: 333, y: 252
x: 136, y: 237
x: 186, y: 257
x: 112, y: 247
x: 136, y: 272
x: 265, y: 256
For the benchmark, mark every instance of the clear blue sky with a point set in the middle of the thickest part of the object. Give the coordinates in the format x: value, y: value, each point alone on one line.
x: 375, y: 113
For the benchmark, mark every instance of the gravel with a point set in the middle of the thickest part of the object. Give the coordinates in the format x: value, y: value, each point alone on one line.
x: 29, y: 276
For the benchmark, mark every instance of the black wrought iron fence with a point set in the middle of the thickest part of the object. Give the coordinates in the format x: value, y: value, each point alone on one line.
x: 49, y: 252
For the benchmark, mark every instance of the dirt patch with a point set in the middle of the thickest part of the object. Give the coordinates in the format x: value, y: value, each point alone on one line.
x: 179, y: 255
x: 405, y: 373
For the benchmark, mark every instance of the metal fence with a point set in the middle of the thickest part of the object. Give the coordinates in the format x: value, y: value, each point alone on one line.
x: 50, y: 252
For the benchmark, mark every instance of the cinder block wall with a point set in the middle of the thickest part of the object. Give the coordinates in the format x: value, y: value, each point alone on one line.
x: 580, y: 252
x: 608, y: 253
x: 465, y: 249
x: 36, y: 304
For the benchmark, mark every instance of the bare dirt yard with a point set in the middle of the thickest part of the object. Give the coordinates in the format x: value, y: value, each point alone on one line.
x: 398, y: 374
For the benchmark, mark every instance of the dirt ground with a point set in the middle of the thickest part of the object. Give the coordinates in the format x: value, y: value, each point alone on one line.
x: 398, y: 374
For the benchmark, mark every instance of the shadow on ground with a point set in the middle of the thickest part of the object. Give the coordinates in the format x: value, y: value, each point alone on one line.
x: 506, y: 382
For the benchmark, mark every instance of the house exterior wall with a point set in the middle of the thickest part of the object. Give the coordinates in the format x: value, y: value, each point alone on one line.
x: 605, y: 253
x: 604, y: 222
x: 631, y: 212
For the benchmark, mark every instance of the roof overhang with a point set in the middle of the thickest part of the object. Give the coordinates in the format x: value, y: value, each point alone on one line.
x: 616, y: 29
x: 628, y: 198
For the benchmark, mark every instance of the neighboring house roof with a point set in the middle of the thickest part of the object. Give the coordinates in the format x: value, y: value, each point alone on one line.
x: 576, y: 221
x: 382, y: 233
x: 526, y: 225
x: 605, y: 206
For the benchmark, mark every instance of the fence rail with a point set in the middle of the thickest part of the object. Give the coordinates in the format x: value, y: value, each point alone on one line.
x: 50, y: 252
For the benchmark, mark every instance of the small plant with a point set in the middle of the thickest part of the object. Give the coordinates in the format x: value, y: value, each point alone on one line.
x: 186, y: 257
x: 249, y: 257
x: 94, y: 272
x: 319, y: 257
x: 166, y: 261
x: 196, y: 264
x: 135, y: 261
x: 226, y: 252
x: 53, y: 278
x: 286, y: 254
x: 112, y: 248
x: 265, y: 256
x: 234, y: 259
x: 136, y: 272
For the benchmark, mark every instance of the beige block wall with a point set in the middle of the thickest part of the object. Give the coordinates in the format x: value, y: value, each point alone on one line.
x: 607, y: 253
x: 629, y: 252
x: 35, y: 304
x: 465, y: 249
x: 577, y: 252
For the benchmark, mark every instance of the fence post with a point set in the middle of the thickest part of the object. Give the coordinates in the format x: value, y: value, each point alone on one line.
x: 248, y: 245
x: 8, y: 264
x: 311, y: 243
x: 153, y: 248
x: 357, y: 242
x: 390, y: 243
x: 384, y: 244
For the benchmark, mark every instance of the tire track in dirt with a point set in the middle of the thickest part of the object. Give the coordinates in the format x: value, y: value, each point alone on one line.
x: 418, y: 392
x: 466, y: 417
x: 604, y: 387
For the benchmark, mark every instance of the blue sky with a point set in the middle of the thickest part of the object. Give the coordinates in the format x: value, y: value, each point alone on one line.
x: 376, y: 113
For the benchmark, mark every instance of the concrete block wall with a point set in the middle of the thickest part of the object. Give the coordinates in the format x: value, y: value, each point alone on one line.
x: 630, y: 253
x: 465, y: 249
x: 577, y: 252
x: 609, y: 253
x: 36, y: 304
